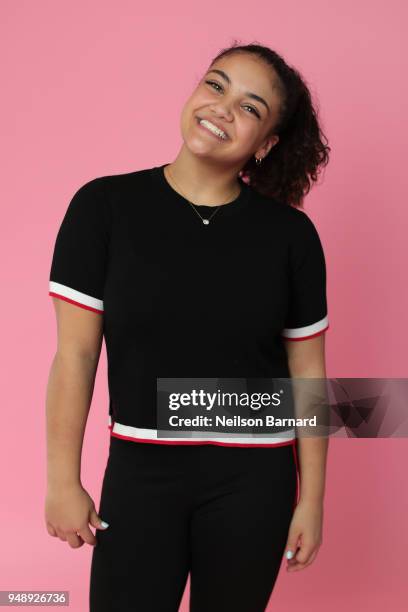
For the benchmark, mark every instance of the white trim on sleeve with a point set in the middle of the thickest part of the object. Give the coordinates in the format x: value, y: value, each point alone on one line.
x: 301, y: 333
x: 75, y: 297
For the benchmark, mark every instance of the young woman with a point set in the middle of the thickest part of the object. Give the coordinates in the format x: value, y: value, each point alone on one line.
x: 203, y: 267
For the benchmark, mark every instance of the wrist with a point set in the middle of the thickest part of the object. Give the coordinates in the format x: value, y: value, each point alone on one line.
x: 58, y: 485
x: 310, y: 500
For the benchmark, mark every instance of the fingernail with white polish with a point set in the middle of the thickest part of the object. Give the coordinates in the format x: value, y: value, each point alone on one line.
x: 289, y: 554
x: 104, y: 525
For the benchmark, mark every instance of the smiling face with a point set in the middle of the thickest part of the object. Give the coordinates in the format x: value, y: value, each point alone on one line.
x: 238, y: 95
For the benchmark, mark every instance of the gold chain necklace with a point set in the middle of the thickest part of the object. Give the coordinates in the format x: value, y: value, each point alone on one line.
x: 205, y: 221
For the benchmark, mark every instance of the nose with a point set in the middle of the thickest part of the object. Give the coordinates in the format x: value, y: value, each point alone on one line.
x: 221, y: 110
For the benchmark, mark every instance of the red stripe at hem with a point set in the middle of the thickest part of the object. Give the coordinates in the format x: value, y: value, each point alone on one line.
x: 62, y: 297
x: 307, y: 337
x: 198, y: 442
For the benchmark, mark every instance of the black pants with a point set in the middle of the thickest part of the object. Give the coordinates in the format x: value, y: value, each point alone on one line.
x: 220, y: 513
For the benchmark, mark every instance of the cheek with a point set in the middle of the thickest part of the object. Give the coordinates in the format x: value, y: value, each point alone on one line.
x: 185, y: 118
x: 189, y: 109
x: 200, y: 99
x: 246, y: 133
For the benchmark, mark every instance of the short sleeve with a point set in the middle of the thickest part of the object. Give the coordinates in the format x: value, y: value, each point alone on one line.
x: 307, y: 314
x: 79, y: 260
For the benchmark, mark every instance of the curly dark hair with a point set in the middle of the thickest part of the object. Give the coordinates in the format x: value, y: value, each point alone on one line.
x: 296, y: 160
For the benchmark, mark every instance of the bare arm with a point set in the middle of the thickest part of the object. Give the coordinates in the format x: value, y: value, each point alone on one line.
x: 306, y: 359
x: 69, y: 394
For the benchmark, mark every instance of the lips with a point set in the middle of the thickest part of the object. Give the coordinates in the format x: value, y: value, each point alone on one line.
x: 218, y: 125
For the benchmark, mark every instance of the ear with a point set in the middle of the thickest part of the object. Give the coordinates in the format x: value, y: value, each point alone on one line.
x: 267, y: 146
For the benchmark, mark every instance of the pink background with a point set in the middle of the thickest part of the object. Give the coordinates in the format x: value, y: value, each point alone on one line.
x: 93, y: 88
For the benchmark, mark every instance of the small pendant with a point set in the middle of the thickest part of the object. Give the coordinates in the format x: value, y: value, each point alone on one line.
x: 206, y: 221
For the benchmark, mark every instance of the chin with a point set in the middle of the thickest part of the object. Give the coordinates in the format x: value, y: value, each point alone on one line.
x: 197, y: 146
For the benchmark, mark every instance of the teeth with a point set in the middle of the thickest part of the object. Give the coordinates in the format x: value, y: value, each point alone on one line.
x: 213, y: 128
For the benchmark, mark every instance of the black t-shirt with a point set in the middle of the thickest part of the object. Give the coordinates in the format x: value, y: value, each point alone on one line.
x: 180, y: 298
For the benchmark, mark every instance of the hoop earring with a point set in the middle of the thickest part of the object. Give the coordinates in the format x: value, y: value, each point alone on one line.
x: 259, y: 160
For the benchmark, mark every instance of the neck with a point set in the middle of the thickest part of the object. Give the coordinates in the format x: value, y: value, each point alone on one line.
x: 203, y: 182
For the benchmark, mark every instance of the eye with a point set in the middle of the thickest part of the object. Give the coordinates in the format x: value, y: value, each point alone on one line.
x: 252, y: 108
x: 214, y: 83
x: 255, y: 112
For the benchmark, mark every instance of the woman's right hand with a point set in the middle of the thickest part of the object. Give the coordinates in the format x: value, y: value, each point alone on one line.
x: 68, y: 512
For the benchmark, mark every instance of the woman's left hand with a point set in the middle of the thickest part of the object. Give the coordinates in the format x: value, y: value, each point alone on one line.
x: 305, y: 534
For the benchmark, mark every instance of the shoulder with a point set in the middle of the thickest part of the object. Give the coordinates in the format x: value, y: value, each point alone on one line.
x: 124, y: 182
x: 288, y: 218
x: 102, y: 194
x: 108, y: 184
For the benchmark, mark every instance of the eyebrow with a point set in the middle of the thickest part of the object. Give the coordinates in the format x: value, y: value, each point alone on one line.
x: 247, y: 93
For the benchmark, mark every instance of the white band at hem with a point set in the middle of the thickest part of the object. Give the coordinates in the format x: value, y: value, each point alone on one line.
x: 76, y: 296
x: 308, y: 330
x: 198, y: 436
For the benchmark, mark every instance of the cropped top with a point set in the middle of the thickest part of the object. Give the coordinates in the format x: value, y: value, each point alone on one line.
x: 182, y: 298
